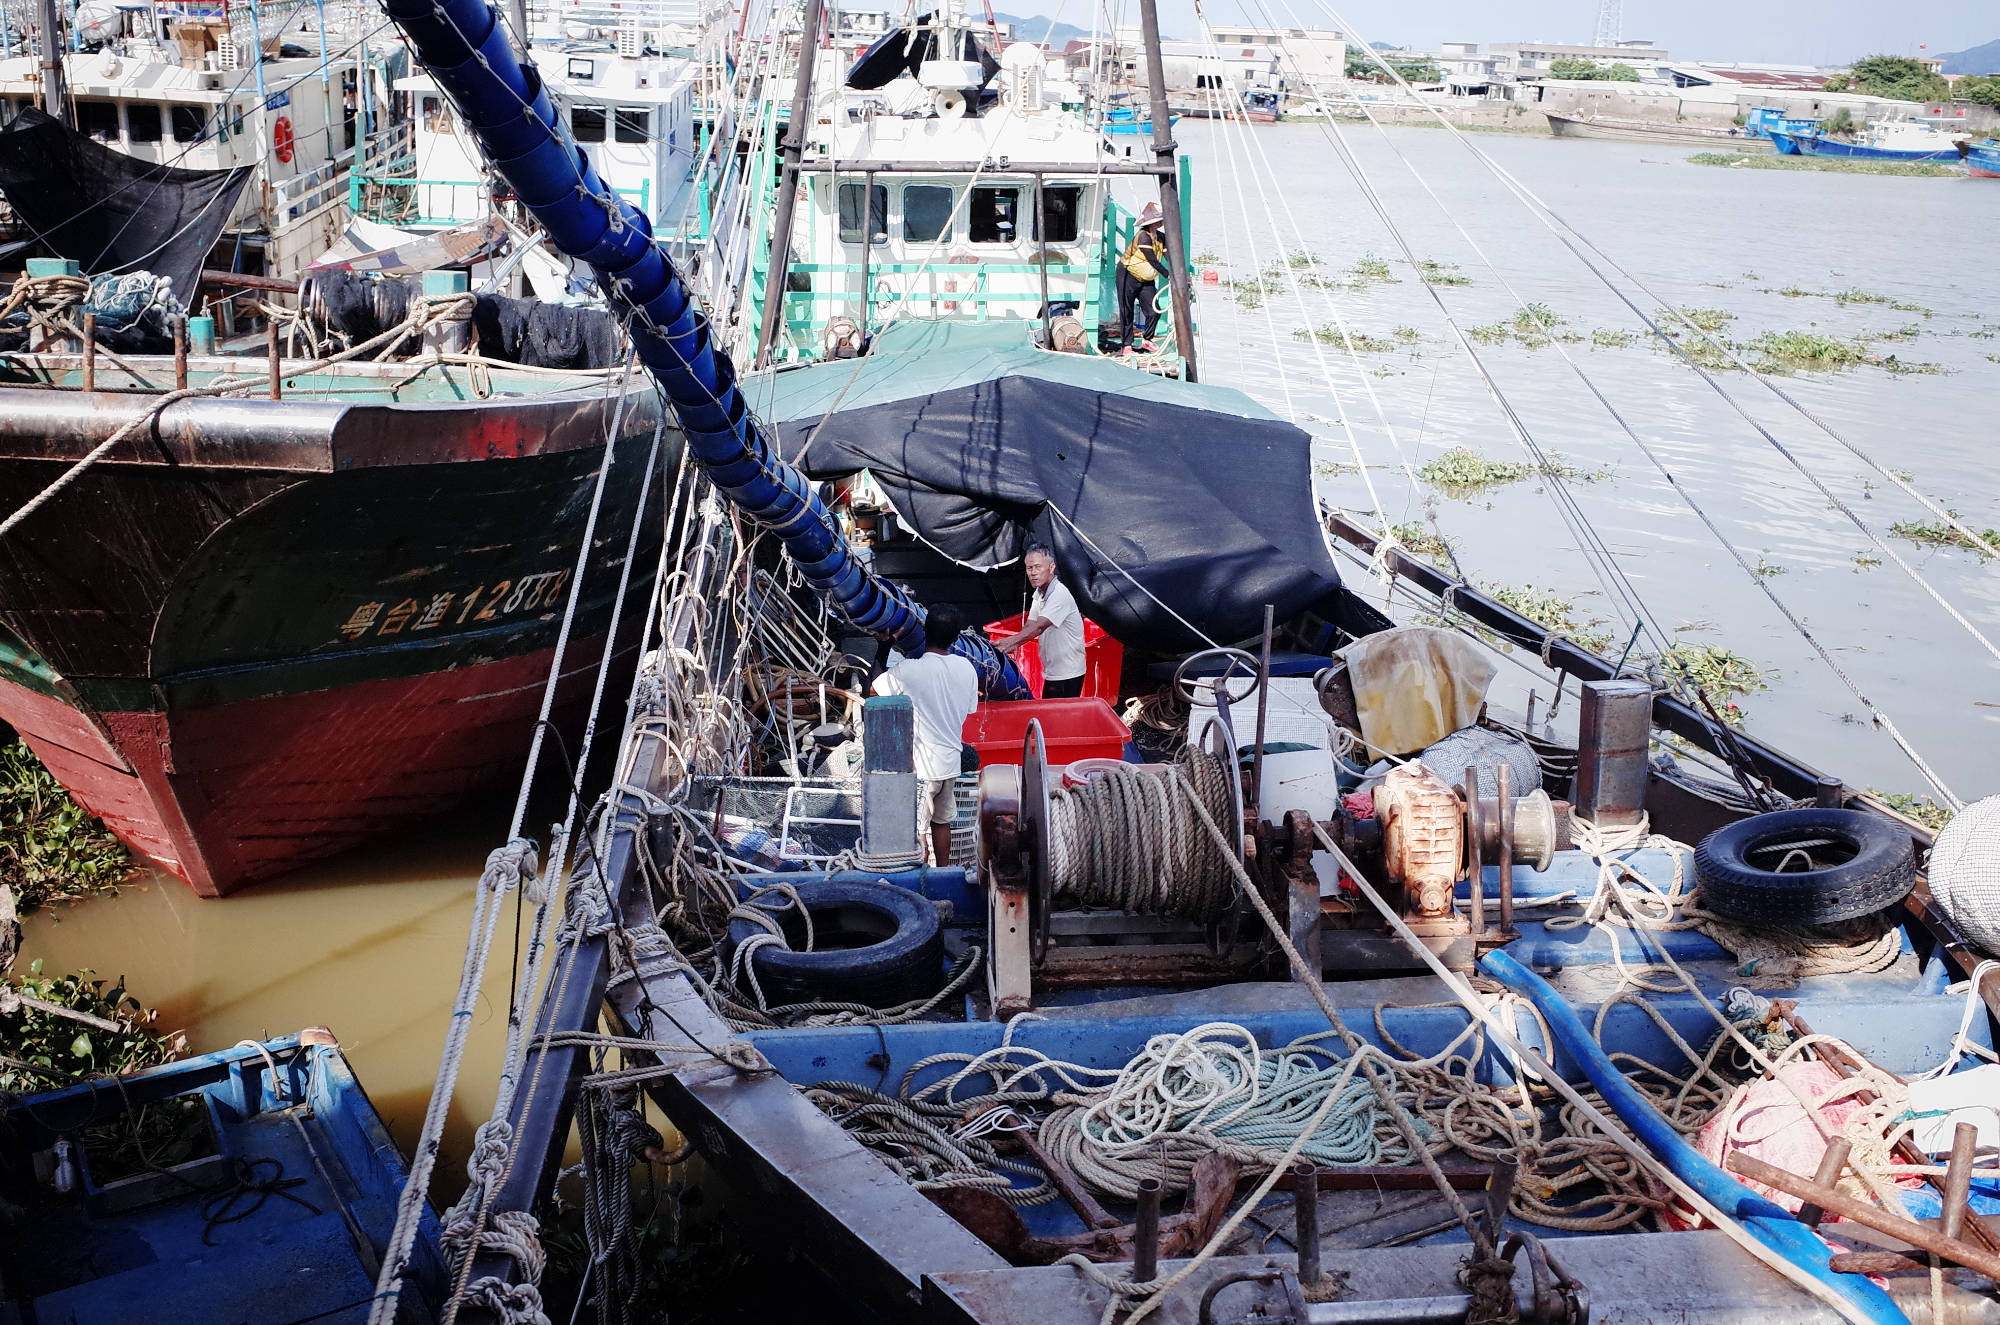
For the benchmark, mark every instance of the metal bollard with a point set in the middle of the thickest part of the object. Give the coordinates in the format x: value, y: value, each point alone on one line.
x: 1146, y: 1234
x: 1305, y: 1207
x: 1611, y: 767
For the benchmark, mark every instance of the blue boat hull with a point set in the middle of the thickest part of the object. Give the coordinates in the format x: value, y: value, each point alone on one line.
x: 1984, y: 161
x: 1814, y: 145
x: 285, y: 1222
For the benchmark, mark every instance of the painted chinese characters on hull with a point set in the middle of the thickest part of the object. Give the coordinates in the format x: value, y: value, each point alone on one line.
x: 452, y: 609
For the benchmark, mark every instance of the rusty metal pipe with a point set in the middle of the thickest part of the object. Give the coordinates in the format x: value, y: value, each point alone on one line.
x: 1475, y: 853
x: 1087, y: 1209
x: 90, y: 351
x: 1830, y: 1165
x: 1958, y: 1180
x: 276, y: 363
x: 1305, y: 1209
x: 1499, y: 1192
x: 181, y: 353
x: 1504, y: 793
x: 1840, y: 1203
x: 1146, y: 1233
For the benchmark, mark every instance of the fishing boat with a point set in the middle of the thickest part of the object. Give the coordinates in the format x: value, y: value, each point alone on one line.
x: 1982, y: 160
x: 1629, y: 130
x: 1762, y: 119
x: 257, y: 1183
x: 1127, y: 120
x: 252, y: 632
x: 1260, y: 106
x: 1890, y: 140
x: 262, y: 93
x: 1197, y: 1037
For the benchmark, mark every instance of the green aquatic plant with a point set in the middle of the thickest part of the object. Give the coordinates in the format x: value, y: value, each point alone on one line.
x: 1708, y: 319
x: 51, y: 849
x: 1371, y: 268
x: 1715, y: 671
x: 1442, y: 273
x: 1535, y: 319
x: 1329, y: 333
x: 1553, y: 611
x: 1909, y: 367
x: 1827, y: 165
x: 40, y: 1049
x: 1492, y: 333
x: 1209, y: 259
x: 1921, y: 808
x: 1798, y: 292
x: 1908, y: 331
x: 1857, y: 295
x: 1936, y: 533
x: 1866, y: 561
x: 1420, y: 540
x: 1913, y: 308
x: 1609, y: 338
x: 1805, y: 351
x: 1461, y: 472
x: 1301, y: 258
x: 1407, y: 334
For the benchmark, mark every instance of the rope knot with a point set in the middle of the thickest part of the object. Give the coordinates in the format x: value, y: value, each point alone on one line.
x: 507, y: 866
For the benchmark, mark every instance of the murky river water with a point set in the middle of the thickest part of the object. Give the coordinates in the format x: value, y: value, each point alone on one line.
x: 1699, y: 236
x: 371, y: 944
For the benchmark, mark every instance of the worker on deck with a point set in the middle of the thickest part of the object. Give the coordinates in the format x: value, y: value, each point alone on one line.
x: 1053, y: 619
x: 1140, y: 270
x: 944, y: 692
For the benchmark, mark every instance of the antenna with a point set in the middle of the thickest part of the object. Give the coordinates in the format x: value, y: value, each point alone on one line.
x: 1610, y: 22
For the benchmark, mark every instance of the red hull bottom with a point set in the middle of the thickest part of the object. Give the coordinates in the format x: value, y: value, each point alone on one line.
x: 224, y: 796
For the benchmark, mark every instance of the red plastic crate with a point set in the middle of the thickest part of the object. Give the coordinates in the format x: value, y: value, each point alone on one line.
x: 1103, y: 657
x: 1073, y: 729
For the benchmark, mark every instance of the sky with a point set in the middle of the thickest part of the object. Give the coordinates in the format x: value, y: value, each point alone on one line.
x: 1824, y: 32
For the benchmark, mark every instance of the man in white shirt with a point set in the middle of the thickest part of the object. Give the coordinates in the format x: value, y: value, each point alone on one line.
x: 944, y: 691
x: 1053, y: 619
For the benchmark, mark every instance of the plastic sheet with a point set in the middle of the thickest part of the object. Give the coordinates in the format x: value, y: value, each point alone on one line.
x: 1415, y: 685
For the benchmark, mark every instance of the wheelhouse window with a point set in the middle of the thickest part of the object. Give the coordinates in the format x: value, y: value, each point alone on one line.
x: 587, y: 123
x: 437, y: 115
x: 634, y: 124
x: 927, y: 212
x: 189, y: 121
x: 994, y: 216
x: 142, y: 122
x: 850, y: 212
x: 1060, y: 218
x: 98, y: 119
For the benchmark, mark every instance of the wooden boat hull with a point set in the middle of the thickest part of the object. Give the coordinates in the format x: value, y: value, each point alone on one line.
x: 1645, y: 131
x: 282, y: 638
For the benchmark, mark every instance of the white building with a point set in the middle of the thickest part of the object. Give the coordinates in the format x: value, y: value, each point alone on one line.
x: 1534, y: 59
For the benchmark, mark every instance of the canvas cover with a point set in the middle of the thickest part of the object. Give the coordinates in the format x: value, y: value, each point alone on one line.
x: 110, y: 212
x: 1174, y: 498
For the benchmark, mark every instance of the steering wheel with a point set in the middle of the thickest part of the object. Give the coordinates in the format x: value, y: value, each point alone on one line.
x: 1239, y: 664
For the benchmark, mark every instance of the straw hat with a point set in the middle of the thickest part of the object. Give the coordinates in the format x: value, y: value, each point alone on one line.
x: 1150, y: 214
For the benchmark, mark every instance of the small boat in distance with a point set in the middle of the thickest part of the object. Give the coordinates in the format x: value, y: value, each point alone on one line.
x: 1763, y: 119
x: 1124, y: 119
x: 1651, y: 131
x: 1897, y: 140
x: 1982, y: 160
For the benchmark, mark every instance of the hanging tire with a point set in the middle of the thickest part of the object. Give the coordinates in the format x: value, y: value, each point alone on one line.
x: 873, y: 943
x: 1737, y: 867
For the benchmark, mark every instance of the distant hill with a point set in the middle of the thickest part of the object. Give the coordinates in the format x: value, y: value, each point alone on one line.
x: 1033, y: 26
x: 1979, y: 60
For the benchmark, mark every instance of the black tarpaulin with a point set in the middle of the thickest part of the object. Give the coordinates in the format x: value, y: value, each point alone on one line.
x: 903, y: 51
x: 110, y: 212
x: 979, y: 439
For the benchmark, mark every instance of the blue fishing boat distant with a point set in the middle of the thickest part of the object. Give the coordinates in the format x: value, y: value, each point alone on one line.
x: 1762, y: 120
x: 1899, y: 141
x: 252, y: 1184
x: 1983, y: 159
x: 1124, y: 119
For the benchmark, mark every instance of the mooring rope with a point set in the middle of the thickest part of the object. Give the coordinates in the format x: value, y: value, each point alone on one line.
x: 1127, y: 841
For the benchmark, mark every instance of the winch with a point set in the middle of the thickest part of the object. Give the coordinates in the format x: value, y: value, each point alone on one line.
x: 1133, y: 874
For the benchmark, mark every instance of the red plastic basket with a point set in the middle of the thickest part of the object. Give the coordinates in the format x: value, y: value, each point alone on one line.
x: 1072, y: 729
x: 1103, y: 657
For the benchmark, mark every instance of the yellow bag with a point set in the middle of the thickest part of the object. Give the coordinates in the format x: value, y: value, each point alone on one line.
x: 1142, y: 271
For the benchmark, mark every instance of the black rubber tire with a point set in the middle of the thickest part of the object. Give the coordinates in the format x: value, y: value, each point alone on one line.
x: 905, y: 962
x: 1733, y: 885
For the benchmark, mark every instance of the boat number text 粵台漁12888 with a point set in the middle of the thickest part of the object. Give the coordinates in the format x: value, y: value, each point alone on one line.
x: 486, y: 602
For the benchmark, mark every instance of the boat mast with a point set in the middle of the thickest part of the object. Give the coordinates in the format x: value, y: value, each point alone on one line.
x: 54, y: 100
x: 793, y: 148
x: 1170, y: 189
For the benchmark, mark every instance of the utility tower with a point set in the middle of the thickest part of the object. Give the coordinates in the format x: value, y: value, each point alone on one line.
x: 1610, y: 22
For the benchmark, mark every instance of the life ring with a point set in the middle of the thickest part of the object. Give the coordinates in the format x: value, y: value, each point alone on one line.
x: 281, y: 140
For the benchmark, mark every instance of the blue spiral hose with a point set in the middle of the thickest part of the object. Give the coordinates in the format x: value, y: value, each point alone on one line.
x: 500, y: 98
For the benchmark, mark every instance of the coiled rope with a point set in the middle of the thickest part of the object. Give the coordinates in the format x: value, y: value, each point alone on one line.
x: 1130, y: 841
